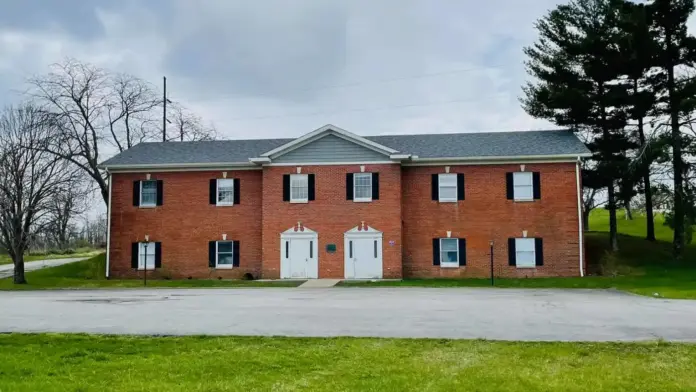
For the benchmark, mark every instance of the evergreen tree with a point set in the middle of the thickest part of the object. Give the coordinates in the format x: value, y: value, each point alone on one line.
x: 577, y: 64
x: 676, y: 48
x: 638, y: 51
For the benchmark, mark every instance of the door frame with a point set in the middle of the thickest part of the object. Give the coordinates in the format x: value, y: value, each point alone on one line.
x: 299, y: 232
x: 361, y: 232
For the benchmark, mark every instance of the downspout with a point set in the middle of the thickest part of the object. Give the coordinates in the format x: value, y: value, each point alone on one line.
x: 109, y: 177
x: 580, y: 228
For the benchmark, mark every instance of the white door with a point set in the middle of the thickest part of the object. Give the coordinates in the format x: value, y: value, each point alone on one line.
x: 363, y: 258
x: 299, y: 257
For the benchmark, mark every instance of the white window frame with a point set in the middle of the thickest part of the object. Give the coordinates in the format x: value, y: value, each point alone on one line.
x: 517, y: 178
x: 150, y: 252
x: 306, y: 198
x: 533, y: 252
x: 217, y: 192
x: 442, y: 199
x: 355, y: 182
x: 217, y: 254
x: 141, y: 204
x: 448, y: 264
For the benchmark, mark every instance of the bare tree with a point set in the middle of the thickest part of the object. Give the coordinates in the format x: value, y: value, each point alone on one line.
x: 63, y: 209
x: 188, y: 126
x: 93, y: 110
x: 30, y: 178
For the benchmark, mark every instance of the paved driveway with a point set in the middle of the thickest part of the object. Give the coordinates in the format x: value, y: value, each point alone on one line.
x: 7, y: 270
x: 507, y: 314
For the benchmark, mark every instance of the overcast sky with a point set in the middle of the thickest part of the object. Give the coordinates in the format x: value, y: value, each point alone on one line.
x: 279, y: 68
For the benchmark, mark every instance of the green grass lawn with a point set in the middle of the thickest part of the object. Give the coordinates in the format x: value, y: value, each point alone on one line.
x: 5, y: 259
x: 640, y: 267
x: 107, y: 363
x: 90, y: 274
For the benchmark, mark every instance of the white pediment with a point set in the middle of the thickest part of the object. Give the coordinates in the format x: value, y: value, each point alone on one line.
x: 363, y: 228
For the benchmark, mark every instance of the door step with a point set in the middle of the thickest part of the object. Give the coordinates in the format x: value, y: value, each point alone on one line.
x: 320, y: 283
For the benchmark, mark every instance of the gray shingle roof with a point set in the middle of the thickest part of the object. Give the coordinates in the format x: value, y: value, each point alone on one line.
x: 457, y: 145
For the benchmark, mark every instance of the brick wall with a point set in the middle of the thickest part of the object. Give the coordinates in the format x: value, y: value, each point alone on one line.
x: 486, y: 215
x: 331, y: 215
x: 185, y: 223
x: 404, y: 213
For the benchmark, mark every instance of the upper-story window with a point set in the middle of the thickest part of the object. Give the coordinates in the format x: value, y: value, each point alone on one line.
x: 448, y: 188
x: 225, y: 192
x: 362, y: 187
x: 147, y: 193
x: 299, y: 188
x: 524, y: 186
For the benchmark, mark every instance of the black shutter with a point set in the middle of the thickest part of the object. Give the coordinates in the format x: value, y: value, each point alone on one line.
x: 213, y: 191
x: 349, y: 186
x: 539, y: 251
x: 512, y: 256
x: 160, y: 192
x: 436, y: 251
x: 375, y: 186
x: 536, y: 181
x: 235, y: 253
x: 510, y: 186
x: 462, y: 251
x: 212, y: 249
x: 158, y: 255
x: 136, y: 193
x: 435, y: 187
x: 286, y: 187
x: 134, y: 254
x: 460, y: 186
x: 237, y: 190
x: 310, y: 187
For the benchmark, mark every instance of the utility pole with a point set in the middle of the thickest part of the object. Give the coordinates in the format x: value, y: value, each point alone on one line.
x: 164, y: 110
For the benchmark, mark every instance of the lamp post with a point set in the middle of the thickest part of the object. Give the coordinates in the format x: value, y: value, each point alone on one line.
x: 146, y: 243
x: 492, y: 277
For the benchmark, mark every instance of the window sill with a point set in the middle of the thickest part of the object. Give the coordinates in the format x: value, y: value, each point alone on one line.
x: 155, y: 206
x: 223, y: 266
x: 149, y: 269
x: 450, y: 266
x: 523, y: 267
x: 448, y: 201
x: 224, y: 204
x: 524, y: 200
x: 299, y: 201
x: 362, y: 200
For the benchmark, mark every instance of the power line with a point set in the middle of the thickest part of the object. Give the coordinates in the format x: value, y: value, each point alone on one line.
x: 477, y: 99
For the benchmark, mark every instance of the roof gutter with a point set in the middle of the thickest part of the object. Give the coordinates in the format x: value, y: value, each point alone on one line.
x: 570, y: 157
x: 212, y: 165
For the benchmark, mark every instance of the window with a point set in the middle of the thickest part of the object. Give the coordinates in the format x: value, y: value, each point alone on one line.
x: 449, y: 252
x: 225, y: 192
x: 298, y: 188
x: 146, y: 255
x: 362, y: 186
x: 225, y: 256
x: 375, y: 249
x: 523, y: 185
x: 448, y: 187
x: 148, y: 193
x: 525, y: 255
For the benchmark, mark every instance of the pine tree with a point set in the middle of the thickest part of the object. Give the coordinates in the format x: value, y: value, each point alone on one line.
x: 639, y: 50
x: 676, y: 48
x: 576, y: 64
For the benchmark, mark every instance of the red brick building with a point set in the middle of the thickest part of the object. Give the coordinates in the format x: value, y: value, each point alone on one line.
x: 332, y: 204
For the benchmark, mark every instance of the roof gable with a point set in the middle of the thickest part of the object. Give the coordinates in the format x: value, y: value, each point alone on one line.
x: 322, y: 132
x: 331, y: 148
